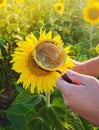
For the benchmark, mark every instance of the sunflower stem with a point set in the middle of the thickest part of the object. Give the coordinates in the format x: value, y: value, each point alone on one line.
x: 91, y: 37
x: 47, y: 94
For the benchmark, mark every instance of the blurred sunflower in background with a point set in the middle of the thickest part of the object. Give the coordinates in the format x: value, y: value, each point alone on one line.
x: 19, y: 1
x: 62, y: 1
x: 91, y: 13
x: 39, y: 61
x: 2, y: 3
x: 92, y: 1
x: 59, y: 7
x: 97, y: 48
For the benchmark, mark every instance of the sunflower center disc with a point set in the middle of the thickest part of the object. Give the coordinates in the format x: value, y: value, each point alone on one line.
x: 49, y: 55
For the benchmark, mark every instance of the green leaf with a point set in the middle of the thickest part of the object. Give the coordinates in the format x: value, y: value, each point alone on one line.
x: 2, y: 47
x: 28, y: 99
x: 1, y: 128
x: 29, y: 118
x: 38, y: 124
x: 57, y: 117
x: 2, y: 43
x: 30, y: 115
x: 59, y: 102
x: 86, y: 124
x: 43, y: 112
x: 3, y: 51
x: 1, y: 91
x: 37, y: 121
x: 16, y: 114
x: 9, y: 128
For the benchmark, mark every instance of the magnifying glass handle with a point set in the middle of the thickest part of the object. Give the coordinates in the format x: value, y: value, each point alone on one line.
x: 67, y: 79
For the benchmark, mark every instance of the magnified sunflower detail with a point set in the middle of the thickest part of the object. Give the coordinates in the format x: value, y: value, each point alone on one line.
x: 49, y: 55
x: 39, y: 60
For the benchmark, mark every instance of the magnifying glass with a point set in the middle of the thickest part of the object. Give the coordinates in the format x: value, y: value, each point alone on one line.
x: 50, y: 56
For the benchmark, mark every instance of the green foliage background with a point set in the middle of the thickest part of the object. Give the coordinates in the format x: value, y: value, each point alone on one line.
x: 19, y: 109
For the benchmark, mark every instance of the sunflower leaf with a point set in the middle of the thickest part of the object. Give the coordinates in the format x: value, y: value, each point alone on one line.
x: 28, y: 99
x: 2, y: 43
x: 59, y: 102
x: 37, y: 124
x: 56, y: 117
x: 37, y: 121
x: 16, y: 114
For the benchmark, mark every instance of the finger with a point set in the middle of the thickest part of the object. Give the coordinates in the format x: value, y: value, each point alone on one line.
x: 65, y: 98
x: 77, y: 77
x: 61, y: 84
x: 67, y: 88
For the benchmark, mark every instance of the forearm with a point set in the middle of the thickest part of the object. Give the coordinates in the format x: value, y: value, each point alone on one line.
x: 90, y: 67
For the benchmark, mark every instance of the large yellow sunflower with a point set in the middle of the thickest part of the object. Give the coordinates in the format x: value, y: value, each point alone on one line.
x: 91, y: 13
x: 39, y: 61
x: 2, y: 3
x: 59, y: 7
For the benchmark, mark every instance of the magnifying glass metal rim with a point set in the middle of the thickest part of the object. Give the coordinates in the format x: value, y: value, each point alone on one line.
x: 40, y: 64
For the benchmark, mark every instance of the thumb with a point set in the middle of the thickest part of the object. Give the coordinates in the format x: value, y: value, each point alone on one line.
x: 68, y: 89
x: 77, y: 77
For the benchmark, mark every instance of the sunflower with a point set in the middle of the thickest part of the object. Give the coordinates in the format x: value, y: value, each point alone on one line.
x: 59, y: 7
x: 40, y: 61
x: 19, y: 1
x: 97, y: 48
x: 91, y: 13
x: 93, y: 1
x: 2, y: 3
x: 62, y: 1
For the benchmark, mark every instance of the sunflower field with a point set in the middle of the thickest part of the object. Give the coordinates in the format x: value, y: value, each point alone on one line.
x: 35, y: 38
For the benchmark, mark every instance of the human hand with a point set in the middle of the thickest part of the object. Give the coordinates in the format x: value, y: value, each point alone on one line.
x: 83, y: 98
x: 89, y: 67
